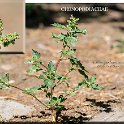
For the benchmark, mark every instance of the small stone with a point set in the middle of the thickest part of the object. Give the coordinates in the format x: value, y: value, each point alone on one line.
x: 11, y: 108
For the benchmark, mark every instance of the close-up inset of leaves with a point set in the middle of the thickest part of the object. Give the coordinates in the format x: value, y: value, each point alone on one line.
x: 8, y: 38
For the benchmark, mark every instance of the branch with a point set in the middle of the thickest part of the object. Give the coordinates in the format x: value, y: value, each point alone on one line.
x: 44, y: 65
x: 29, y: 94
x: 58, y: 83
x: 58, y: 62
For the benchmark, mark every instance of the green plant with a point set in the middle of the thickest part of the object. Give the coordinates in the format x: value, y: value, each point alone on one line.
x: 50, y: 75
x: 8, y: 38
x: 120, y: 45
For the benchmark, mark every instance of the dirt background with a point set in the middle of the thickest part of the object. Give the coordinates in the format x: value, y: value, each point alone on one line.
x: 93, y: 49
x: 13, y: 15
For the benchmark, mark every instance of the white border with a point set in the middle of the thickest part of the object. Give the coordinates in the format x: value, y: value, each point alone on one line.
x: 74, y: 1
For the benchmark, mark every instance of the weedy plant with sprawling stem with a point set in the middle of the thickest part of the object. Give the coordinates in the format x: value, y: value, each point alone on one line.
x: 8, y: 38
x: 50, y: 76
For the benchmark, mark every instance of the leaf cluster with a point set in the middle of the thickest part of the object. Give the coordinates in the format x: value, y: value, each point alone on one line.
x: 8, y: 38
x: 4, y: 81
x: 72, y: 29
x: 119, y: 45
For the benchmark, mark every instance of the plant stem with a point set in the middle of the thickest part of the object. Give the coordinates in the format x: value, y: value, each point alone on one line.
x: 58, y: 62
x: 44, y: 66
x: 29, y: 94
x: 58, y: 83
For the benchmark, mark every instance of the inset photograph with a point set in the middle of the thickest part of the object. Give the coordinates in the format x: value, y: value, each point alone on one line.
x: 12, y: 26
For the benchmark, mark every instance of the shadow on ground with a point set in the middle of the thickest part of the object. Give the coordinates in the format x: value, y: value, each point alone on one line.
x: 105, y: 106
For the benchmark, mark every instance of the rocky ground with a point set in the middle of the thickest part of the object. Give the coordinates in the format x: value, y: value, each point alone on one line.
x: 94, y: 51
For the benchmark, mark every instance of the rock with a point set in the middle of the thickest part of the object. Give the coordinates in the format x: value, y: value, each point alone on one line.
x: 115, y: 116
x: 11, y: 108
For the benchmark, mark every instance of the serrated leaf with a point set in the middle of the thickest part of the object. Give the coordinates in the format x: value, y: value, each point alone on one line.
x: 29, y: 62
x: 81, y: 66
x: 60, y: 107
x: 61, y: 37
x: 33, y: 90
x: 70, y: 52
x: 48, y: 83
x: 61, y: 98
x: 93, y: 79
x: 83, y: 73
x: 53, y: 101
x: 34, y: 69
x: 71, y: 40
x: 29, y: 91
x: 83, y: 31
x: 51, y: 66
x: 58, y: 25
x: 48, y: 94
x: 35, y: 55
x: 41, y: 77
x: 74, y: 61
x: 9, y: 39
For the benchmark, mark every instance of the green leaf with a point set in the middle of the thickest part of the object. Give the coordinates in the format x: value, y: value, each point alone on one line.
x: 32, y: 90
x: 48, y: 94
x: 70, y: 52
x: 83, y: 73
x: 62, y: 78
x: 41, y: 77
x: 74, y: 61
x: 35, y: 55
x: 60, y: 107
x: 29, y: 62
x: 82, y: 31
x: 81, y: 66
x: 53, y: 101
x: 93, y: 79
x: 71, y: 40
x: 61, y: 37
x: 9, y: 39
x: 34, y: 62
x: 43, y: 87
x: 29, y: 91
x: 4, y: 81
x: 58, y: 25
x: 51, y: 66
x: 96, y: 87
x: 93, y: 83
x: 48, y: 83
x: 61, y: 98
x: 33, y: 69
